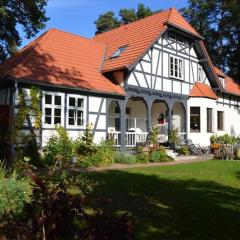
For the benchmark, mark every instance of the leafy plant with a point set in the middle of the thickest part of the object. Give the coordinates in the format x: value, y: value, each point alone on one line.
x: 174, y: 136
x: 213, y: 138
x: 154, y: 135
x: 14, y: 192
x: 59, y: 147
x: 142, y: 158
x: 183, y: 150
x: 124, y: 158
x: 237, y: 154
x: 159, y: 155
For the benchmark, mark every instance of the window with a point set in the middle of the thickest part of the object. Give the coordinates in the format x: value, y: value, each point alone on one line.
x: 52, y: 109
x: 118, y: 52
x: 176, y: 67
x: 195, y: 119
x: 220, y: 120
x: 75, y: 111
x: 172, y: 36
x: 209, y: 120
x: 200, y: 74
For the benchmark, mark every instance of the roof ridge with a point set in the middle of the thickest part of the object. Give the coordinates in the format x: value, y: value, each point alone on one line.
x: 125, y: 25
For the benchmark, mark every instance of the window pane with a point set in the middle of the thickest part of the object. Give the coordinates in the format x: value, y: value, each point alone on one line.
x: 48, y: 120
x: 79, y: 118
x: 71, y: 113
x: 48, y: 99
x: 72, y: 102
x: 195, y: 119
x: 57, y: 120
x: 70, y: 121
x: 180, y: 69
x: 57, y: 112
x: 80, y: 102
x: 48, y: 112
x: 220, y: 124
x: 58, y: 100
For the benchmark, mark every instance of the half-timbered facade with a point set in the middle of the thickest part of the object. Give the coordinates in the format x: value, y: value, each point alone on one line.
x: 155, y: 71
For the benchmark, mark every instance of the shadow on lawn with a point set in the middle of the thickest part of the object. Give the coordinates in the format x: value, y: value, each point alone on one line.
x: 170, y: 209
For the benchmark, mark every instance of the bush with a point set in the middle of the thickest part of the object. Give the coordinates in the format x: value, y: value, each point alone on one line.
x: 124, y: 158
x: 59, y: 147
x: 142, y: 158
x: 159, y: 155
x: 183, y: 150
x: 237, y: 154
x: 224, y: 139
x: 103, y: 156
x: 14, y: 193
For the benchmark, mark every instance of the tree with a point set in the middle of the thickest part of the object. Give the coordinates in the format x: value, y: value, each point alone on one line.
x: 29, y: 14
x: 108, y: 21
x: 218, y: 22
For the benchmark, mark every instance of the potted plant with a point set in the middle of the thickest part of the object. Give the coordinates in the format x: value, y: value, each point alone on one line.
x: 174, y: 138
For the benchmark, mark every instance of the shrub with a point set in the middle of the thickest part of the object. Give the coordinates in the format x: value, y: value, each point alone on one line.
x: 154, y: 135
x: 237, y: 154
x: 14, y: 193
x: 159, y: 155
x: 124, y: 158
x: 224, y: 139
x: 59, y: 147
x: 183, y: 150
x: 142, y: 158
x: 103, y: 156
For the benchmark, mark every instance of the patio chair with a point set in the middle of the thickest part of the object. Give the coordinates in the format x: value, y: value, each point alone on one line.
x: 194, y: 148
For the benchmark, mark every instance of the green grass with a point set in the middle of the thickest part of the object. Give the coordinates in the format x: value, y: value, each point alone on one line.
x: 185, y: 201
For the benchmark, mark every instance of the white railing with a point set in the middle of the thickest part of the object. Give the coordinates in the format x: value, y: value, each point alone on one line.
x: 132, y: 138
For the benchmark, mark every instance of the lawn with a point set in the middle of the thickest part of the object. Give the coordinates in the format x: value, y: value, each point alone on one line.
x: 185, y: 201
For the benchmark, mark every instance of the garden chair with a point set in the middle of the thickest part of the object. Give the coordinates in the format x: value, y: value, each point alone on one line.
x: 194, y: 148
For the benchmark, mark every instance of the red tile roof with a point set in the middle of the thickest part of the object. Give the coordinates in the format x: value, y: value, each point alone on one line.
x: 139, y: 36
x: 230, y: 85
x: 202, y: 90
x: 61, y: 58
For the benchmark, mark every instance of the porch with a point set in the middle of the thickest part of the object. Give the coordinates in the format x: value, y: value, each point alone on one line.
x: 130, y: 121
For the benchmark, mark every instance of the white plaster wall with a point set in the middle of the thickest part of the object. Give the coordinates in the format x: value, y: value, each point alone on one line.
x: 159, y: 57
x: 231, y: 120
x: 178, y: 118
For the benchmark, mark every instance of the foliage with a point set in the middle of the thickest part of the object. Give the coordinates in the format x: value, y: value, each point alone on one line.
x: 159, y: 155
x: 35, y: 94
x: 224, y: 139
x: 215, y: 145
x: 30, y: 15
x: 142, y: 158
x: 218, y: 23
x: 56, y: 213
x: 154, y: 135
x: 174, y: 136
x: 14, y: 192
x: 237, y: 154
x: 109, y: 21
x: 213, y: 138
x: 88, y: 135
x: 124, y: 158
x: 102, y: 156
x: 183, y: 150
x: 59, y: 147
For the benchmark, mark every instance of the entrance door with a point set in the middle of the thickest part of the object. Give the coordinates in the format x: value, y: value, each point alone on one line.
x: 4, y: 116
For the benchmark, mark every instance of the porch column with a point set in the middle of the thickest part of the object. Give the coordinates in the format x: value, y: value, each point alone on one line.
x: 170, y: 109
x: 149, y: 102
x: 186, y: 119
x: 122, y: 105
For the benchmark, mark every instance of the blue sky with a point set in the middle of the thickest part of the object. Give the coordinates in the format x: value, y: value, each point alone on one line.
x: 78, y: 16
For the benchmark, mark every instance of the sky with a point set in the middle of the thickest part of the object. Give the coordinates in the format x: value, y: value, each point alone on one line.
x: 78, y: 16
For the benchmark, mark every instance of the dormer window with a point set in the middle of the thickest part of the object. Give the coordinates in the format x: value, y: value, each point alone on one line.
x: 119, y: 51
x: 222, y: 80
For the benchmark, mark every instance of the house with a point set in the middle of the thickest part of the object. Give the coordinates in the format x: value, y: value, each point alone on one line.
x: 155, y: 71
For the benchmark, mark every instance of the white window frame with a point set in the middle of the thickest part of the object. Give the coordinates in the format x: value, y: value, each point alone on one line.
x: 84, y: 109
x: 176, y: 66
x: 53, y: 107
x: 222, y: 80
